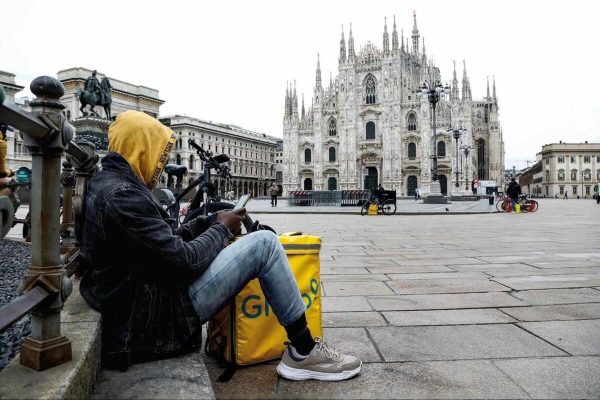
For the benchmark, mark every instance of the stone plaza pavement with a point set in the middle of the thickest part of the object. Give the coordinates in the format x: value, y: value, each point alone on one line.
x: 453, y: 306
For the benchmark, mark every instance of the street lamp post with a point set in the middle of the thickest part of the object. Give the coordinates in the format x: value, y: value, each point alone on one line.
x: 467, y: 150
x: 434, y: 91
x: 456, y: 134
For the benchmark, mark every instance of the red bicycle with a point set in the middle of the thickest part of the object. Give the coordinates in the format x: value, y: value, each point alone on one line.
x: 527, y: 205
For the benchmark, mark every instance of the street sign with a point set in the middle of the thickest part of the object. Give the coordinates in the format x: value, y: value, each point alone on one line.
x: 23, y: 175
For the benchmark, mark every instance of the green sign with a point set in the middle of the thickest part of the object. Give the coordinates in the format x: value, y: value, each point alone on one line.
x: 23, y: 175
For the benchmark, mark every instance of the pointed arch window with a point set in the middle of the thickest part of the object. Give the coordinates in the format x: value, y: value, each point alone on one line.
x: 332, y: 154
x: 370, y: 130
x: 441, y: 149
x: 307, y: 156
x: 412, y: 151
x: 371, y: 90
x: 411, y: 122
x: 332, y: 127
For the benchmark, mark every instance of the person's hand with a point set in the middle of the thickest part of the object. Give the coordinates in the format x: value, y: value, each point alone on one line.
x: 232, y: 219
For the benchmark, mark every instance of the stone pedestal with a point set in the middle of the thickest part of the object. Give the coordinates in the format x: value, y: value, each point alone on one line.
x: 94, y: 130
x: 435, y: 195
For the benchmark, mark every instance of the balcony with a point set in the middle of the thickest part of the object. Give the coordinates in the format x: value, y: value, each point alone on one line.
x: 366, y: 144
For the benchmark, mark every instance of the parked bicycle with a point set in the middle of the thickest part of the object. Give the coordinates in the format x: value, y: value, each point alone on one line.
x: 206, y: 201
x: 384, y: 205
x: 527, y: 205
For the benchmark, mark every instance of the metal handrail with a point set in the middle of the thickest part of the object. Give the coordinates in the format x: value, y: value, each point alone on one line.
x: 22, y: 305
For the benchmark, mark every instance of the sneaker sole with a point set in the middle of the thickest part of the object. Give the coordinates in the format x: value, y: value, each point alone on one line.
x: 296, y: 374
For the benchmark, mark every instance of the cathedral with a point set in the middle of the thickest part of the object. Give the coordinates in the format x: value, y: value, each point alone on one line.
x: 369, y: 127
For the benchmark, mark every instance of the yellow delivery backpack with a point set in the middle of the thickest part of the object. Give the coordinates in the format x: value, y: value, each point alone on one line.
x: 247, y: 331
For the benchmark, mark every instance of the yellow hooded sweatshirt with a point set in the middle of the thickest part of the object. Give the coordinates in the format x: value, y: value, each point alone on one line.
x: 144, y: 142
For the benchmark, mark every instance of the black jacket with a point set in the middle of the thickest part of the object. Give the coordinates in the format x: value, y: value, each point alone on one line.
x: 514, y: 190
x: 139, y: 268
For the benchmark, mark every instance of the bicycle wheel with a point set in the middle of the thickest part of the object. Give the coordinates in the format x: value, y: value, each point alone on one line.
x: 507, y: 206
x: 389, y: 207
x: 365, y: 208
x: 533, y: 206
x: 499, y: 205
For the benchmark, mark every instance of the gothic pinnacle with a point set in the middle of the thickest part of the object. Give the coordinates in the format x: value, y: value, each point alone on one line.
x: 395, y: 37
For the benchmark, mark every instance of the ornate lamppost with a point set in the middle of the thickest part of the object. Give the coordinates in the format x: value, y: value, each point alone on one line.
x: 433, y: 92
x: 456, y: 134
x: 467, y: 150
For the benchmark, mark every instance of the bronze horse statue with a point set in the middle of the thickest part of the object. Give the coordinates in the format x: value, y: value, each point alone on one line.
x: 100, y: 97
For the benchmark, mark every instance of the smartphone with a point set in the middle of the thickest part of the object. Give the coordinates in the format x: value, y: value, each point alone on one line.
x: 242, y: 202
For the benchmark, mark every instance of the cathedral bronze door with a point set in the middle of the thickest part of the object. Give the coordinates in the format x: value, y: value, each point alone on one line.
x: 411, y: 185
x: 443, y: 184
x: 371, y: 178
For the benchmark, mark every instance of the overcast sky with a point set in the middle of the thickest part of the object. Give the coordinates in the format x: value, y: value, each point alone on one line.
x: 228, y: 61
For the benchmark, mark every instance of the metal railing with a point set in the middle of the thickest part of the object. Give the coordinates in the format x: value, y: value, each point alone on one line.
x: 46, y: 133
x: 327, y: 197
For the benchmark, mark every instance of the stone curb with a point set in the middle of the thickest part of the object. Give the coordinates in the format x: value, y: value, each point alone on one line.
x: 358, y: 212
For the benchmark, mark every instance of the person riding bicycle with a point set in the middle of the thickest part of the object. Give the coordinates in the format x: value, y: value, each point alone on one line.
x: 155, y: 286
x: 513, y: 191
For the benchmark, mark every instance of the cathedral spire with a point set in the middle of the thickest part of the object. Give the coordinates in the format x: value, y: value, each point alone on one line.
x: 295, y: 102
x: 488, y: 98
x: 402, y: 40
x: 415, y: 35
x: 386, y: 38
x: 394, y: 38
x: 342, y: 48
x: 454, y: 91
x: 494, y: 90
x: 287, y: 99
x: 466, y: 86
x: 351, y: 55
x: 318, y: 79
x: 303, y: 113
x: 424, y: 55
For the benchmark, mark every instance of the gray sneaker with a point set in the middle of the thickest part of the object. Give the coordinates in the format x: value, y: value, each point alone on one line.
x: 324, y: 363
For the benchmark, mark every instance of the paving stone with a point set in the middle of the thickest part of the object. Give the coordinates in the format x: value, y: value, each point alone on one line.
x: 443, y: 301
x: 509, y: 259
x: 343, y: 270
x: 253, y: 382
x: 429, y: 343
x: 447, y: 317
x: 440, y: 261
x: 352, y: 341
x: 558, y: 296
x: 555, y: 378
x: 353, y: 319
x: 576, y: 337
x: 408, y: 269
x: 182, y: 377
x: 565, y: 264
x: 440, y: 275
x: 356, y: 288
x: 413, y: 380
x: 423, y: 286
x: 353, y: 278
x: 492, y: 267
x: 538, y: 272
x: 550, y: 281
x: 345, y: 304
x: 555, y: 312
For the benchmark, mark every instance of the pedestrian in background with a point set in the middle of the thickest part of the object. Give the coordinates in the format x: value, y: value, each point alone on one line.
x: 274, y: 190
x: 566, y: 196
x: 416, y: 194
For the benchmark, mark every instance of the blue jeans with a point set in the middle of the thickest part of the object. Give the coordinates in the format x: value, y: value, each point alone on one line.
x: 257, y: 255
x: 513, y: 204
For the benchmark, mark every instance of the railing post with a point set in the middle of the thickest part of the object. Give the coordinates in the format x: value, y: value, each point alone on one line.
x: 46, y: 347
x: 67, y: 180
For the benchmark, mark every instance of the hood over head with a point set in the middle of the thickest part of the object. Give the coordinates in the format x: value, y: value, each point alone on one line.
x: 144, y: 142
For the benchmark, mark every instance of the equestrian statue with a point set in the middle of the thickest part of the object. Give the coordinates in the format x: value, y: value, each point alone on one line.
x: 95, y: 93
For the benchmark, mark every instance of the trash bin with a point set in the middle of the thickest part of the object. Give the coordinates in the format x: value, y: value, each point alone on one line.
x: 491, y: 200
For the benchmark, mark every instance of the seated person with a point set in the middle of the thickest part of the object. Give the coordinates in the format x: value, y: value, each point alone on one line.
x: 156, y: 286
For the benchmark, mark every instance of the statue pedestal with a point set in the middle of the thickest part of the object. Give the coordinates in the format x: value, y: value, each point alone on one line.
x: 95, y: 130
x: 435, y: 195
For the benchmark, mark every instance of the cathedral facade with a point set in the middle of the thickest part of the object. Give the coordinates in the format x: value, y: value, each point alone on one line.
x: 369, y: 127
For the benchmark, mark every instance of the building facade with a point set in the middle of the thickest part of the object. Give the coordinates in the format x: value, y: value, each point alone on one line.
x: 279, y: 165
x: 252, y: 154
x: 572, y: 168
x: 367, y: 126
x: 17, y: 155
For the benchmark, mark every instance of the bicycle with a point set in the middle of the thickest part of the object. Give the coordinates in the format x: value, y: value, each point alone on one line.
x: 206, y: 201
x: 386, y: 206
x: 527, y: 205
